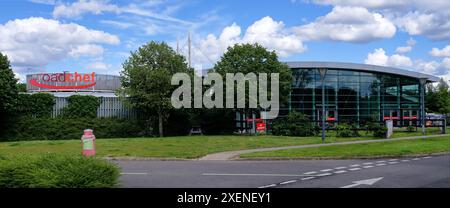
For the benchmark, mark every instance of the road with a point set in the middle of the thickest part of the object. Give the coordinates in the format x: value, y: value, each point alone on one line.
x: 411, y: 172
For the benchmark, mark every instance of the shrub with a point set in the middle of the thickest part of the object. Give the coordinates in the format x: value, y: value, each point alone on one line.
x: 345, y: 130
x: 410, y: 129
x: 59, y: 128
x: 294, y: 124
x: 81, y: 106
x: 35, y: 105
x: 379, y: 131
x: 57, y: 171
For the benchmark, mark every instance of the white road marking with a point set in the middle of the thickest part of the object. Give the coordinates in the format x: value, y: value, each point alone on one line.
x: 368, y: 182
x: 287, y: 182
x: 405, y: 160
x: 326, y: 170
x: 355, y: 169
x: 249, y: 174
x: 380, y: 161
x: 368, y: 166
x: 392, y: 162
x: 133, y: 173
x: 368, y: 163
x: 271, y: 185
x: 312, y: 172
x: 426, y: 157
x: 324, y: 174
x: 340, y: 171
x: 380, y: 164
x: 307, y: 178
x: 355, y: 165
x: 392, y: 159
x: 416, y: 159
x: 338, y: 168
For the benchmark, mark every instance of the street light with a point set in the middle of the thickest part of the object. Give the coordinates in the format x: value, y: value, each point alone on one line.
x: 323, y: 72
x: 422, y: 81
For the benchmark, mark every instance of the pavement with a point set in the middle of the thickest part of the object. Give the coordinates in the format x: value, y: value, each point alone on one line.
x: 405, y: 172
x: 235, y: 154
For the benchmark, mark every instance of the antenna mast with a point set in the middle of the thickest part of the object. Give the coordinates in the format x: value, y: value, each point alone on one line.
x: 189, y: 49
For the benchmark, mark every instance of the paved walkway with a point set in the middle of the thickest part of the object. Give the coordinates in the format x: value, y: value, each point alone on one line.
x: 234, y: 154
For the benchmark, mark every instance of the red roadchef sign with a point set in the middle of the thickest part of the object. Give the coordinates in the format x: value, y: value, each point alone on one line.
x: 43, y: 80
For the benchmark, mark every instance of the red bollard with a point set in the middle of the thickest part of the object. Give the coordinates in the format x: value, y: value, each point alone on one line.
x: 88, y: 141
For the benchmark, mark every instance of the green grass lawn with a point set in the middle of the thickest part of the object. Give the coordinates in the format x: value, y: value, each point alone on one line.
x: 394, y: 148
x: 172, y: 147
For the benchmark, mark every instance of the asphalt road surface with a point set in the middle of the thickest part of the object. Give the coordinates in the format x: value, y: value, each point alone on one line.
x: 411, y: 172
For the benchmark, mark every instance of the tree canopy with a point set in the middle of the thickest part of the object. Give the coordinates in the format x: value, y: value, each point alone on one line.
x: 8, y: 87
x: 247, y: 58
x: 438, y: 98
x: 146, y: 78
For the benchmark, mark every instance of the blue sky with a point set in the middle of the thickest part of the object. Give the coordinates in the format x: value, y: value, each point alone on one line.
x: 97, y: 35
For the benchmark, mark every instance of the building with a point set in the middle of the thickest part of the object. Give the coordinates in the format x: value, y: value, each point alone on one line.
x: 355, y: 93
x: 358, y: 93
x: 63, y: 85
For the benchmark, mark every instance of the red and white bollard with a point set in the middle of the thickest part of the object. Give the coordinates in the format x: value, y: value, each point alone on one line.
x: 88, y: 141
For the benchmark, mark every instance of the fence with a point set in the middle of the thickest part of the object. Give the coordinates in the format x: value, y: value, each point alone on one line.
x: 109, y: 107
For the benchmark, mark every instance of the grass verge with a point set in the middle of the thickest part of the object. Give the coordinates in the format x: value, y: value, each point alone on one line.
x: 381, y: 149
x: 56, y: 171
x: 167, y: 147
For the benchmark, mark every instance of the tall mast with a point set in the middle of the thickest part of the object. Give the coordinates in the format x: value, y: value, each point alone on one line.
x: 189, y: 49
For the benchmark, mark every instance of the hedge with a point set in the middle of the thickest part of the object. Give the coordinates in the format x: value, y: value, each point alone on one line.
x: 28, y: 128
x: 56, y: 171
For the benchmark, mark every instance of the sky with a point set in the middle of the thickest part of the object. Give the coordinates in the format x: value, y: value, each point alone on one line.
x: 98, y: 35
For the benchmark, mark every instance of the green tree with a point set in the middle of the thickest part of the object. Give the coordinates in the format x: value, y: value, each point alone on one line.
x: 146, y: 79
x: 437, y: 98
x: 8, y: 88
x: 22, y: 87
x: 247, y: 58
x: 8, y: 92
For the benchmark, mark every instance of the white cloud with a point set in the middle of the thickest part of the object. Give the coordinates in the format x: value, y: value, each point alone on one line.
x: 428, y: 67
x: 78, y: 8
x: 416, y: 17
x: 267, y: 32
x: 98, y: 66
x: 371, y: 4
x: 433, y: 25
x: 404, y: 49
x: 379, y: 57
x: 121, y: 25
x: 446, y: 63
x: 81, y: 7
x: 34, y: 42
x: 48, y: 2
x: 352, y: 24
x: 86, y: 50
x: 445, y: 52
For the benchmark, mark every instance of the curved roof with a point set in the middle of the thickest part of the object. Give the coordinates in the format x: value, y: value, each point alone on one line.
x: 362, y: 67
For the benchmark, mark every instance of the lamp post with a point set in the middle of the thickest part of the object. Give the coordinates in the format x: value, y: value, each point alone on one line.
x: 323, y: 72
x: 422, y: 103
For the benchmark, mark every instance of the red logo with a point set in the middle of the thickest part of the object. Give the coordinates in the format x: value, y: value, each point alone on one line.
x: 64, y: 78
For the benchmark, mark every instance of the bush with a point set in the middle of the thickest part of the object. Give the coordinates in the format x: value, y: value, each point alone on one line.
x: 346, y: 130
x: 35, y: 105
x: 380, y: 131
x: 57, y: 171
x: 81, y: 106
x: 410, y: 128
x: 294, y: 124
x: 59, y: 128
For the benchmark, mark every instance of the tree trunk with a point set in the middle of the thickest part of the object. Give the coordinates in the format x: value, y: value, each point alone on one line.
x: 160, y: 121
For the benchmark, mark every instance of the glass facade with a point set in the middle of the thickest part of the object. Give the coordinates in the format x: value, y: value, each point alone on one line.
x: 355, y: 96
